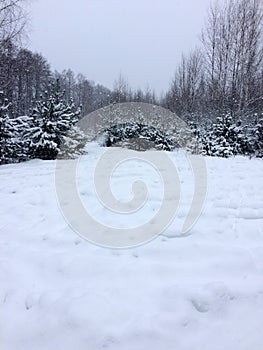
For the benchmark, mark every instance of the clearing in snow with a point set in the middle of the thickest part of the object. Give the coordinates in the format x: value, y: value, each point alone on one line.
x: 198, y: 291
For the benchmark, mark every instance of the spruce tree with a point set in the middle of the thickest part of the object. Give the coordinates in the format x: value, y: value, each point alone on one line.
x: 52, y: 119
x: 8, y: 134
x: 258, y: 137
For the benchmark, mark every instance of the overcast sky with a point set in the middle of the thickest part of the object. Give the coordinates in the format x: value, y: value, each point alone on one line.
x: 142, y: 39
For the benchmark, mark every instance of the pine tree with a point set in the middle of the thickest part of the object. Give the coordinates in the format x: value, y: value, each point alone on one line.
x: 73, y: 144
x: 226, y: 138
x: 258, y: 137
x: 52, y: 119
x: 23, y: 124
x: 8, y: 134
x: 239, y: 139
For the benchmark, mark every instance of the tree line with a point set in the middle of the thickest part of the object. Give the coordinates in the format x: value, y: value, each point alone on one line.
x: 225, y: 73
x: 217, y: 86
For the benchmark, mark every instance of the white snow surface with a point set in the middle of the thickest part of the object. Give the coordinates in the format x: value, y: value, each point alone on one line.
x: 201, y: 291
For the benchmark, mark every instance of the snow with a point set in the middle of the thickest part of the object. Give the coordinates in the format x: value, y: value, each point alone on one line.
x: 203, y: 290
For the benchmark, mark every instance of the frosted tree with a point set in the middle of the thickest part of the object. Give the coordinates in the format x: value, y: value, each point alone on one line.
x: 226, y: 138
x: 52, y: 119
x: 73, y: 144
x: 8, y: 134
x: 22, y: 126
x: 258, y: 137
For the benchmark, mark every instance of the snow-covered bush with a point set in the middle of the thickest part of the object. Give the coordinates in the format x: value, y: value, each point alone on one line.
x: 225, y: 138
x: 125, y: 132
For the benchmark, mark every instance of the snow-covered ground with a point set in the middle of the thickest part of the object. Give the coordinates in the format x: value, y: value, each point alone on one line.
x: 200, y: 291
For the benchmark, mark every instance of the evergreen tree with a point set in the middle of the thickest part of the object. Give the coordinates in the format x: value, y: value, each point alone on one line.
x: 52, y: 119
x: 8, y: 134
x: 23, y: 124
x: 258, y: 137
x: 226, y: 138
x: 73, y: 143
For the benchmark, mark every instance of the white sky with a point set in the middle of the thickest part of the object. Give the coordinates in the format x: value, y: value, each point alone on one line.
x: 142, y: 39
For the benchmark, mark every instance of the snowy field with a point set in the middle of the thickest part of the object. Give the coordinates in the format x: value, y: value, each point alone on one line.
x: 202, y: 291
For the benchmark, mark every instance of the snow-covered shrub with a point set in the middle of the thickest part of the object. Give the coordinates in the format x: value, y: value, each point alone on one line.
x: 226, y: 138
x: 125, y: 132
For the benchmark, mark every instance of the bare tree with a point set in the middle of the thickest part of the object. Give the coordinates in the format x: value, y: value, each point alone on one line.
x: 232, y: 42
x: 185, y: 92
x: 12, y: 20
x: 121, y: 90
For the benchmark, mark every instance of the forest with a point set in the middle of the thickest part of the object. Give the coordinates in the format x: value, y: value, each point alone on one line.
x: 217, y: 88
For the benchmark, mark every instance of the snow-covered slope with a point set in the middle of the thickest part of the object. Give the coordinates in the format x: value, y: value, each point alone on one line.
x: 202, y: 291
